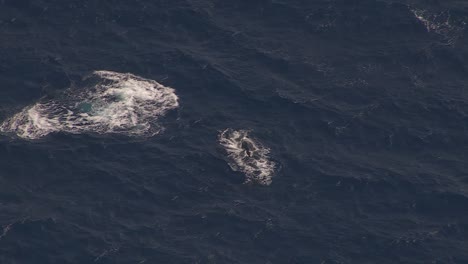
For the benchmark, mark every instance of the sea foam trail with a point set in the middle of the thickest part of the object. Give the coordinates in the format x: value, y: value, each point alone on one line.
x: 110, y: 102
x: 248, y: 155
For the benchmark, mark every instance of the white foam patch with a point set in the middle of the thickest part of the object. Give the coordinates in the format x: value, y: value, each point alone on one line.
x: 441, y: 23
x: 120, y: 103
x: 425, y: 20
x: 247, y: 155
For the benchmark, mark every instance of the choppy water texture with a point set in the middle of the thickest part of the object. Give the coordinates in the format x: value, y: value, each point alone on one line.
x: 347, y: 139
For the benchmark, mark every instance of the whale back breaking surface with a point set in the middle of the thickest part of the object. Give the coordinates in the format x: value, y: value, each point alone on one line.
x: 247, y: 155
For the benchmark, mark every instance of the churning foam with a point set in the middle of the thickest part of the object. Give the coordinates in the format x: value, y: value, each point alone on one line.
x: 247, y: 155
x: 111, y: 102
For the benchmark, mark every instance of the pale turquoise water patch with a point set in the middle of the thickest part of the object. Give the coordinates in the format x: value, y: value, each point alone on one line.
x: 85, y: 107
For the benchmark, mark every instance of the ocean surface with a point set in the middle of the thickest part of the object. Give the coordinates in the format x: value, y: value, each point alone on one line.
x: 244, y: 131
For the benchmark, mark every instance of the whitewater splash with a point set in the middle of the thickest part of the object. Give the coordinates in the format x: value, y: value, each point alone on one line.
x: 111, y: 102
x: 248, y: 156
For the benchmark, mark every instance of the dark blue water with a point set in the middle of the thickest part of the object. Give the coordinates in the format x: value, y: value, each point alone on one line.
x: 363, y: 106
